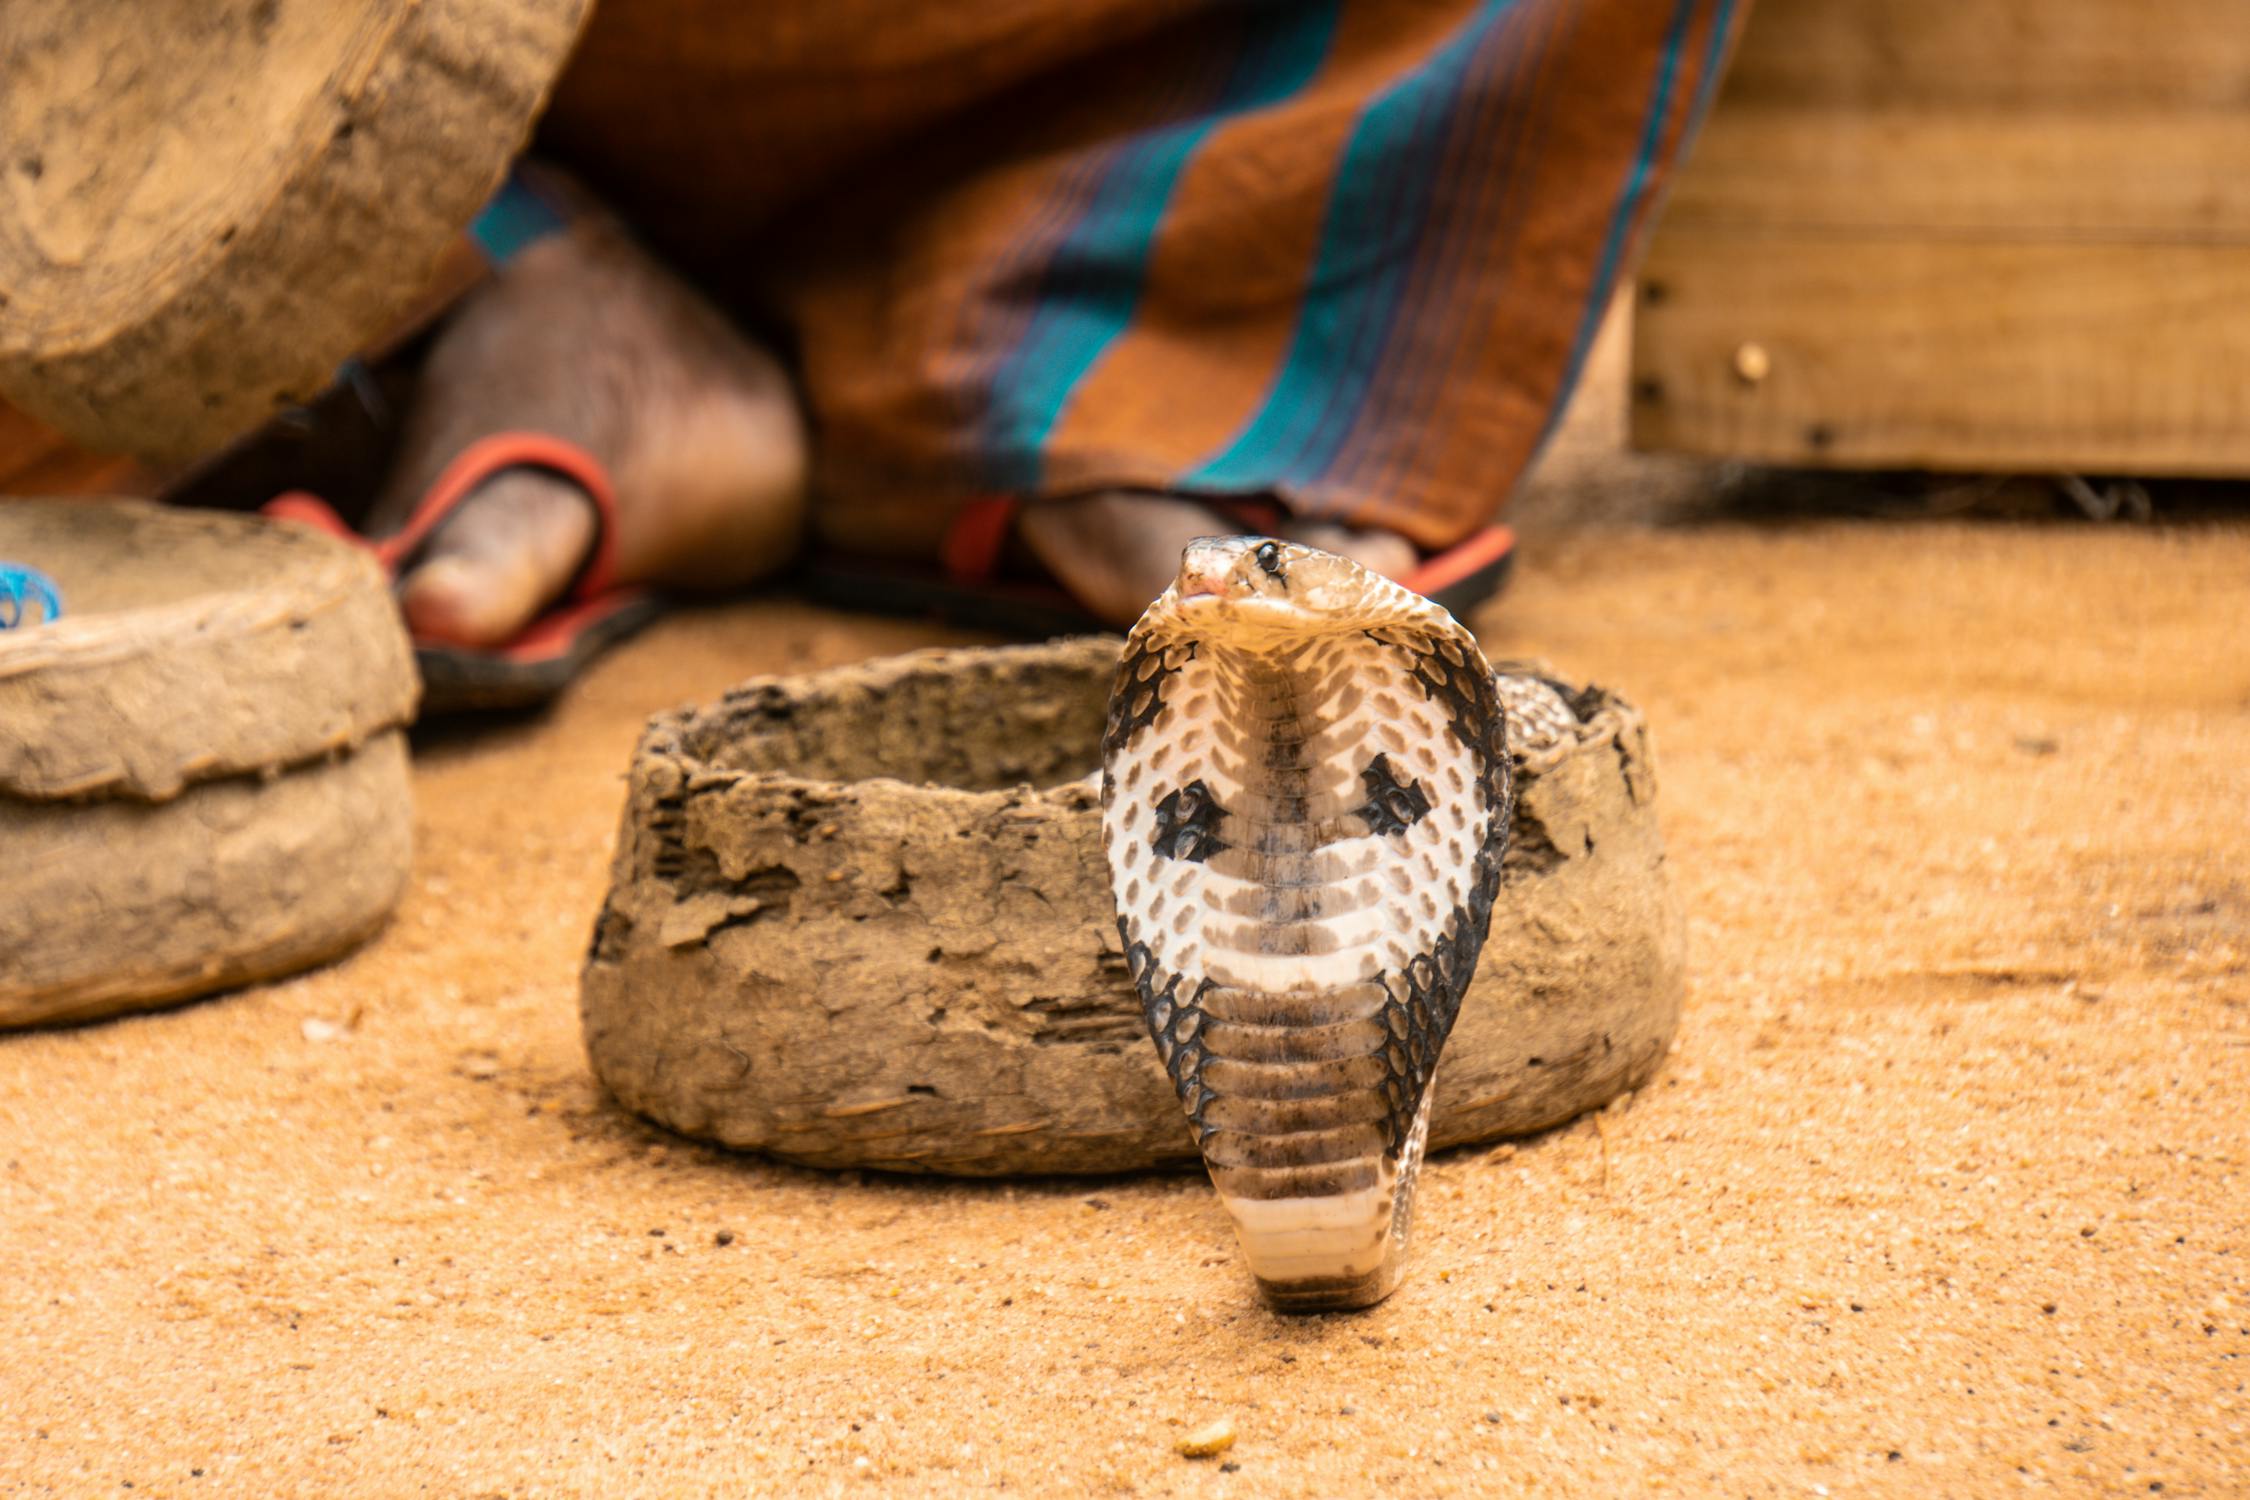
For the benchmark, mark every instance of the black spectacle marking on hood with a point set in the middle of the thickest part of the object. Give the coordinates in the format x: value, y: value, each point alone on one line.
x: 1392, y: 806
x: 1187, y: 824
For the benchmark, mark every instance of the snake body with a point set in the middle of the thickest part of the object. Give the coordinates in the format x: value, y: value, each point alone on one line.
x: 1306, y: 797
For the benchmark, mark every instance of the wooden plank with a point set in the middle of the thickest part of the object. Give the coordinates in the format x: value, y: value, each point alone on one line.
x: 2092, y: 56
x: 2145, y: 174
x: 2079, y: 118
x: 1889, y: 352
x: 2006, y: 235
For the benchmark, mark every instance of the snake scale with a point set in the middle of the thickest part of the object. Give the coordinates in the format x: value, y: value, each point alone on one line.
x: 1306, y: 796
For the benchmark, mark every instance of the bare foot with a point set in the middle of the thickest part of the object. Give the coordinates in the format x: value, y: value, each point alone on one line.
x: 1115, y: 552
x: 584, y: 337
x: 1384, y: 552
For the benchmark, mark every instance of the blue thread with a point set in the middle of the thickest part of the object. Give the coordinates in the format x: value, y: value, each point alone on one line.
x: 18, y: 583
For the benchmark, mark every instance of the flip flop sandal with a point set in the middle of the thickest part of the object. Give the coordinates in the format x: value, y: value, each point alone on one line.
x: 594, y: 614
x: 972, y: 591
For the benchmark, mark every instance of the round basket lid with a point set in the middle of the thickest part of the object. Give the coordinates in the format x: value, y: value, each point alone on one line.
x: 205, y: 208
x: 192, y: 645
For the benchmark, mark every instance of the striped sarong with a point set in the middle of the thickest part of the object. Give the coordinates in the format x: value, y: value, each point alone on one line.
x: 1346, y: 253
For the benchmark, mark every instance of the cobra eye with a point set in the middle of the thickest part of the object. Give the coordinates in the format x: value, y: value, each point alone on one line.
x: 1269, y: 558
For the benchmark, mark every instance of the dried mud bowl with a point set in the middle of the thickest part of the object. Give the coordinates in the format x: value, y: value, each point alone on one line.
x: 1941, y: 1191
x: 203, y: 765
x: 861, y: 918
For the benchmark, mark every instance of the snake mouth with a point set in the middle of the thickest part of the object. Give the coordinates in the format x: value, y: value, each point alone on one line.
x: 1258, y: 618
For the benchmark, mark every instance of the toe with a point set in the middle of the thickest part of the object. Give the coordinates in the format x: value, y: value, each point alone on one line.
x: 510, y: 550
x: 585, y: 338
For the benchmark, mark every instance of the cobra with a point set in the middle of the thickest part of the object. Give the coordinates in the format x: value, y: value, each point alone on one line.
x: 1306, y: 796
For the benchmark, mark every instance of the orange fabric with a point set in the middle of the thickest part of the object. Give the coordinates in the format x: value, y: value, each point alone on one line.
x: 470, y: 468
x: 1343, y: 252
x: 37, y: 460
x: 1222, y: 302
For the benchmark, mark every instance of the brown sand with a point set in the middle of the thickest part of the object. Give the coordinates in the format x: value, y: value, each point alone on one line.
x: 1946, y: 1189
x: 1943, y: 1189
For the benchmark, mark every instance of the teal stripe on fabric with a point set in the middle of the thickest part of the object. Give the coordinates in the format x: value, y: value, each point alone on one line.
x: 1360, y: 272
x: 1380, y: 456
x: 516, y: 217
x: 1636, y: 183
x: 1707, y: 85
x: 1095, y: 279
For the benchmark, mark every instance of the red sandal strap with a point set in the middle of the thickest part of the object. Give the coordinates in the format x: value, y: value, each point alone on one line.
x: 471, y: 467
x: 308, y: 509
x: 1449, y: 567
x: 488, y: 456
x: 971, y: 550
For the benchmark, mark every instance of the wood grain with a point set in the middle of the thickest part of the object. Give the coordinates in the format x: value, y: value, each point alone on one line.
x: 1998, y: 55
x: 2142, y: 174
x: 2007, y: 236
x: 1945, y: 355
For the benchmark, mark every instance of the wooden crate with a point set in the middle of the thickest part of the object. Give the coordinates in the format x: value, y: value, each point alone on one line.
x: 2004, y: 235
